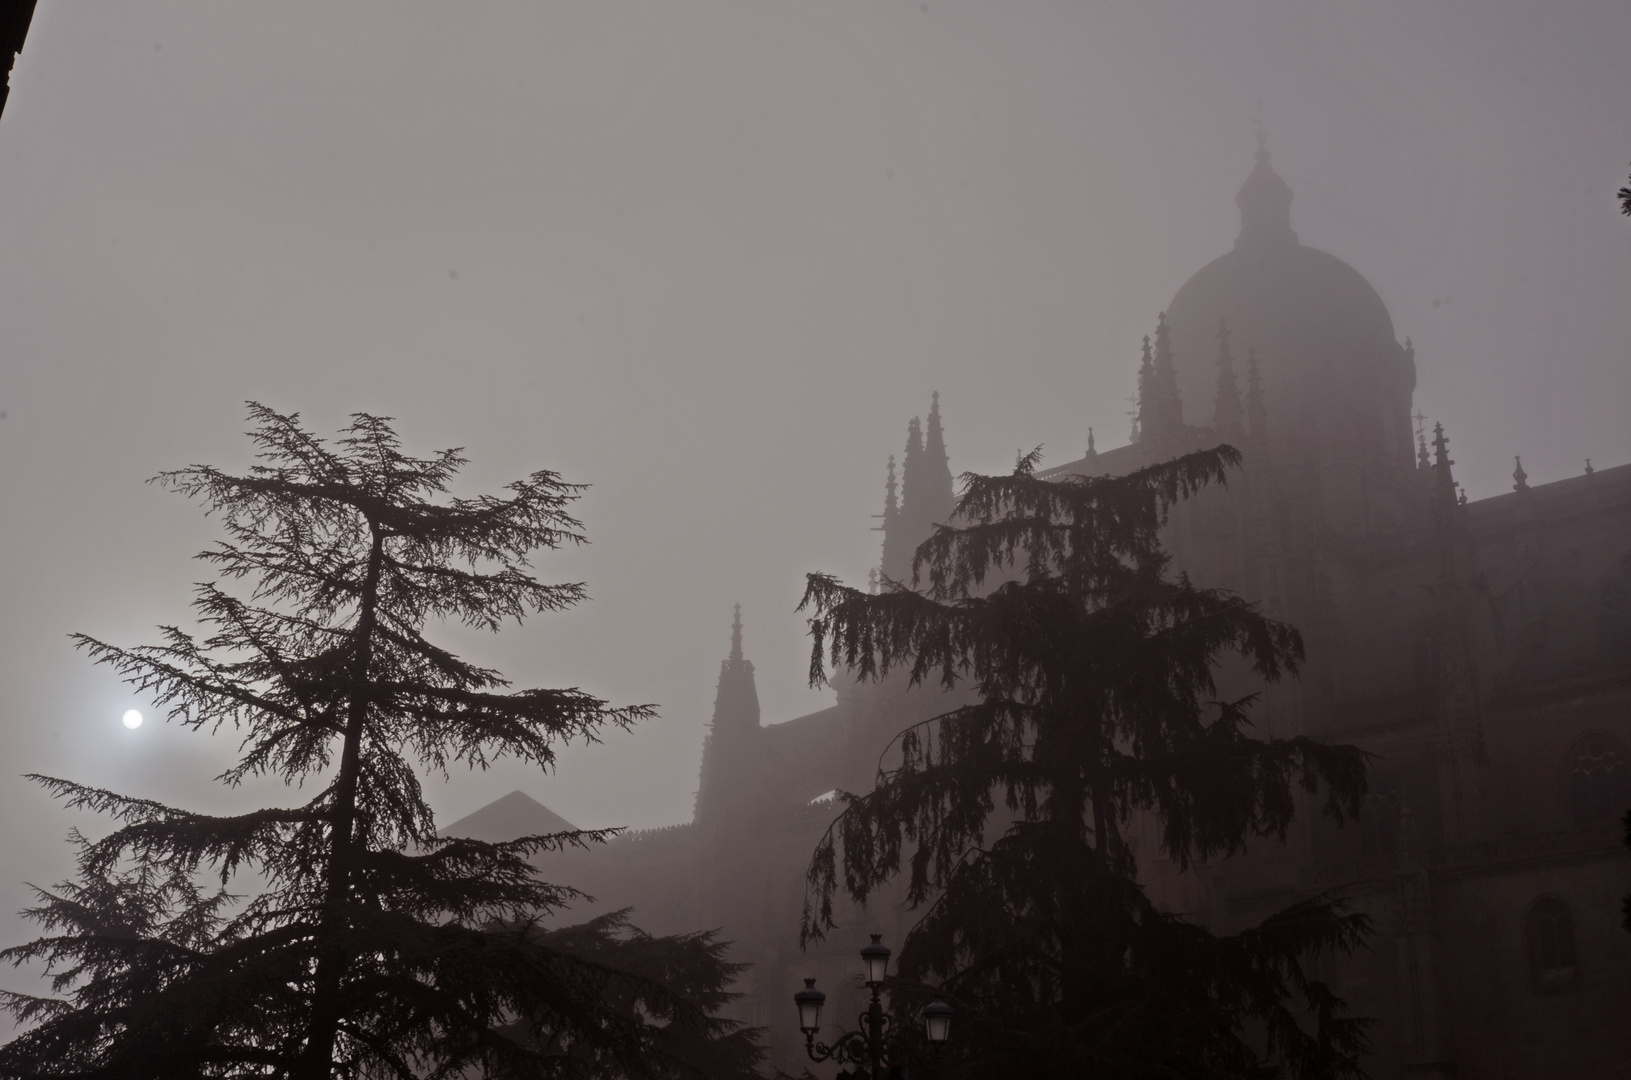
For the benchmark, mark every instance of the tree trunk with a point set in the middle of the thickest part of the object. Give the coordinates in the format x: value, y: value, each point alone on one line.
x: 316, y: 1061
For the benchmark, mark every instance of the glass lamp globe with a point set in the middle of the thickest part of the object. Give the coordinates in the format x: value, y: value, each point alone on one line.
x: 809, y: 1002
x: 937, y: 1021
x: 876, y: 958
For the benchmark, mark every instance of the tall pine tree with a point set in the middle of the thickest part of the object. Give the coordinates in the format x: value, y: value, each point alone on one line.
x: 341, y: 937
x: 1095, y: 670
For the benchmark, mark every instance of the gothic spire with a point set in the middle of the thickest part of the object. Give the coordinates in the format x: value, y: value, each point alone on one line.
x: 1520, y: 479
x: 1461, y: 636
x: 890, y: 516
x: 930, y: 500
x: 926, y: 495
x: 912, y: 460
x: 1443, y: 480
x: 1256, y: 412
x: 736, y: 703
x: 936, y: 464
x: 1161, y: 412
x: 899, y: 539
x: 1227, y: 410
x: 891, y: 498
x: 727, y: 752
x: 1147, y: 406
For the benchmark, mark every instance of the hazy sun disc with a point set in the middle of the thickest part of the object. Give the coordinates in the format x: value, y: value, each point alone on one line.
x: 132, y: 719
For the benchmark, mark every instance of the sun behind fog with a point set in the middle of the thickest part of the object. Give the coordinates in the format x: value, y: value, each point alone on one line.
x: 132, y: 719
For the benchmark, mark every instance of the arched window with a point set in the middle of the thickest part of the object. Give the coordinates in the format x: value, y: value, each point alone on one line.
x: 1597, y: 779
x: 1549, y: 931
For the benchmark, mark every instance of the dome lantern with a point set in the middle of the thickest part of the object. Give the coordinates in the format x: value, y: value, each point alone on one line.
x: 1265, y: 206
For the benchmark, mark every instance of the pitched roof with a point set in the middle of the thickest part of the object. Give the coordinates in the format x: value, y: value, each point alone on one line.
x: 509, y: 818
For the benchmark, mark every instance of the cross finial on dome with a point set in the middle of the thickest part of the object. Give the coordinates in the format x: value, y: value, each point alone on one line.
x: 1262, y: 142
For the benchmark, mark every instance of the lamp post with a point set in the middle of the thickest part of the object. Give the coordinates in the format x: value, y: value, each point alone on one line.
x: 873, y: 1044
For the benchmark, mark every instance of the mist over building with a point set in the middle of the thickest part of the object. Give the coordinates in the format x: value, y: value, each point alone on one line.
x: 1481, y: 650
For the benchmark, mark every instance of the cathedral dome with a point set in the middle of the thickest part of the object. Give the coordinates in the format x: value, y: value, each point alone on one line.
x: 1331, y: 368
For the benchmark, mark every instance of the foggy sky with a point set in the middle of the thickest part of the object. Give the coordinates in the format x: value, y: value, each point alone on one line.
x: 709, y: 257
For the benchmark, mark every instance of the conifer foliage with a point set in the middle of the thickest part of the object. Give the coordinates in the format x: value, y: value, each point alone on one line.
x: 1094, y: 670
x: 342, y: 937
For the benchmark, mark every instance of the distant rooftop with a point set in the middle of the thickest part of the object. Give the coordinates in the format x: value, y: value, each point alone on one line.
x: 509, y: 818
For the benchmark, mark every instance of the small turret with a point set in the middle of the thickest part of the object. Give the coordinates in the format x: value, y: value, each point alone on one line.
x: 1520, y: 479
x: 1227, y: 414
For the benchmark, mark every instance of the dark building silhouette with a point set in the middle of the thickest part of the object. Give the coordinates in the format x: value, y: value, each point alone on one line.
x: 1481, y: 650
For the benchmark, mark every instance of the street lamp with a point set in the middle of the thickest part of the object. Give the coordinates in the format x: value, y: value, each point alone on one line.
x: 809, y: 1000
x: 937, y: 1021
x: 876, y: 958
x: 873, y: 1043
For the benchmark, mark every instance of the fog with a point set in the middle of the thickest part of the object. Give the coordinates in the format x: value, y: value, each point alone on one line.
x: 709, y: 258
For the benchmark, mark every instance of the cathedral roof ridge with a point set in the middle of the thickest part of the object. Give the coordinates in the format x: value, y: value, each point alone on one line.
x: 1600, y: 482
x: 1123, y: 459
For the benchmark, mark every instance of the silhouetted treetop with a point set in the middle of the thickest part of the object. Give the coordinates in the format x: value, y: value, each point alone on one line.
x: 343, y: 937
x: 1098, y: 713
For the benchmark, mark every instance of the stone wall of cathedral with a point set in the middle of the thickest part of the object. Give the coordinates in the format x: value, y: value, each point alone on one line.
x: 1481, y: 652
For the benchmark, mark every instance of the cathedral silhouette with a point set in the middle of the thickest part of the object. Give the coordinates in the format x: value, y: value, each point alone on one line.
x: 1481, y: 650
